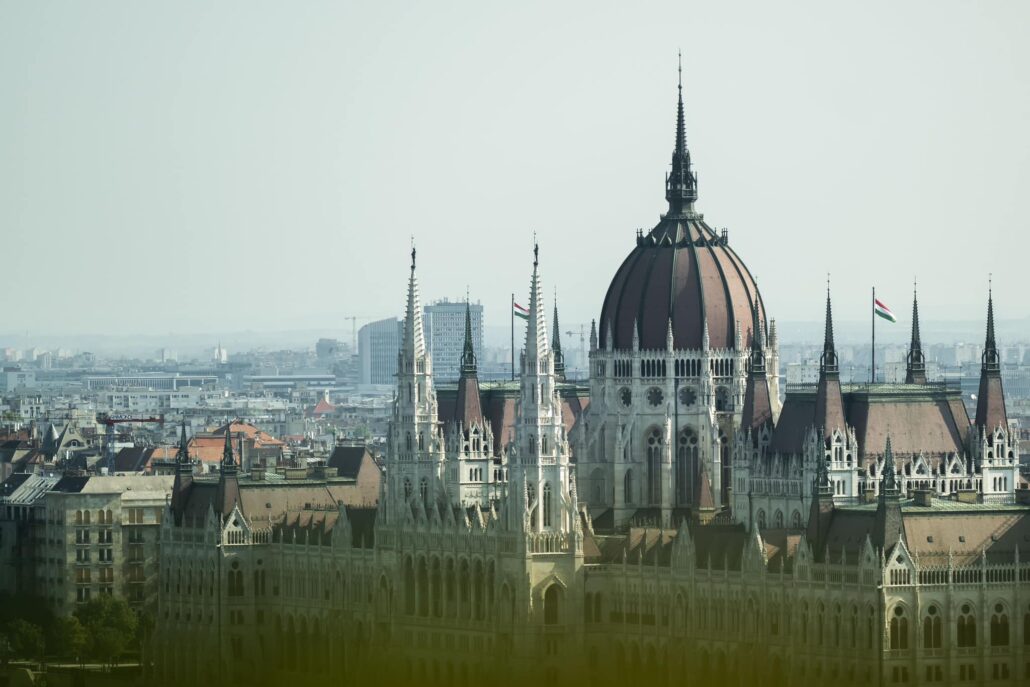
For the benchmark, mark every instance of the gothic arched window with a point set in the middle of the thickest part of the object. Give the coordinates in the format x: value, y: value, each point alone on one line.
x: 627, y: 487
x: 552, y: 603
x: 407, y: 441
x: 932, y: 634
x: 686, y: 460
x: 999, y: 626
x: 547, y: 504
x: 899, y: 629
x: 966, y: 627
x: 407, y: 488
x: 654, y: 466
x: 423, y: 489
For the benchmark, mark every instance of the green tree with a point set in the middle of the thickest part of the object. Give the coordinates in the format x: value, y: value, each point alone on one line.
x: 110, y: 625
x: 26, y: 639
x: 69, y: 638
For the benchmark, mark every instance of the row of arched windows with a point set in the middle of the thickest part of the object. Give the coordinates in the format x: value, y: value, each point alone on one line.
x: 965, y: 628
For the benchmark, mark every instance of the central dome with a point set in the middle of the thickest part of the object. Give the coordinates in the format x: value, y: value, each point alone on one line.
x: 681, y: 271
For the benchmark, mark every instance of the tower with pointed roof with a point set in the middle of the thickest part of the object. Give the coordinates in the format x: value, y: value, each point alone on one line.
x: 668, y: 372
x: 228, y: 478
x: 415, y: 456
x: 183, y: 475
x: 541, y: 468
x: 995, y: 449
x: 470, y: 474
x: 915, y: 363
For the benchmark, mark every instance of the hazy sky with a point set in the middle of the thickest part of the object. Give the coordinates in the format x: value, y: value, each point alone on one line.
x: 210, y: 166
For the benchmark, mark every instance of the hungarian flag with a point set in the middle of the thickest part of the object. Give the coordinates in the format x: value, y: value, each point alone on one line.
x: 519, y: 311
x: 883, y: 311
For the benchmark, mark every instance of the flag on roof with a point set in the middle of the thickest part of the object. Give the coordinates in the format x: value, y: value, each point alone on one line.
x: 519, y: 311
x: 883, y: 311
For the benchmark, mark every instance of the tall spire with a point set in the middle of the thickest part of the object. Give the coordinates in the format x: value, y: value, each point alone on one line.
x: 829, y: 401
x: 228, y: 460
x: 182, y: 456
x: 990, y: 401
x: 228, y: 483
x: 828, y: 359
x: 915, y: 372
x: 183, y: 476
x: 889, y: 485
x: 757, y: 408
x: 414, y: 344
x: 991, y: 361
x: 536, y: 324
x: 468, y: 353
x: 757, y: 349
x: 559, y: 357
x: 681, y: 183
x: 888, y: 524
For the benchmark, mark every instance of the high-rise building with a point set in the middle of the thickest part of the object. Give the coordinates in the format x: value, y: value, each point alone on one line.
x: 378, y: 344
x: 445, y: 335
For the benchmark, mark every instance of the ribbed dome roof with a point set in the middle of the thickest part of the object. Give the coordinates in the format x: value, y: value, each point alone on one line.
x: 683, y: 271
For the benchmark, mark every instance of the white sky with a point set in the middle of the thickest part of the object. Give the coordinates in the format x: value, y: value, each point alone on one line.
x: 193, y: 166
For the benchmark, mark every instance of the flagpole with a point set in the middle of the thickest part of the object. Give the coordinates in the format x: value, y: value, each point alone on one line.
x: 872, y: 379
x: 513, y: 337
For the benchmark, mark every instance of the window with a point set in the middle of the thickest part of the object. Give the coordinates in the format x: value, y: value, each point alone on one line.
x: 423, y: 490
x: 654, y: 466
x: 627, y: 487
x: 547, y: 504
x: 552, y: 600
x: 899, y: 630
x: 999, y: 626
x: 235, y: 580
x: 966, y: 627
x: 932, y: 629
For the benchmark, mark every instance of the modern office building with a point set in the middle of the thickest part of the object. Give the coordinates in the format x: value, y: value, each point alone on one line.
x: 378, y: 344
x: 445, y: 335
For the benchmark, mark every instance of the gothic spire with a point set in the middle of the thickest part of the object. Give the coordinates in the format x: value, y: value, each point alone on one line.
x: 889, y: 485
x: 990, y: 401
x: 559, y: 357
x: 916, y: 368
x: 757, y: 408
x: 228, y: 483
x: 757, y: 348
x: 414, y: 344
x: 828, y: 360
x: 888, y: 524
x: 228, y: 460
x: 991, y: 361
x: 829, y: 401
x: 681, y: 183
x: 182, y: 456
x: 536, y: 325
x: 468, y: 353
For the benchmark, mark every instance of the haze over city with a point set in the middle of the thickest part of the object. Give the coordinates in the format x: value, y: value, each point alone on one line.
x: 194, y: 168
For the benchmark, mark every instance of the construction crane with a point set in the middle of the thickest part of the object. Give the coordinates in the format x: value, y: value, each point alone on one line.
x: 109, y: 421
x: 582, y: 344
x: 354, y: 330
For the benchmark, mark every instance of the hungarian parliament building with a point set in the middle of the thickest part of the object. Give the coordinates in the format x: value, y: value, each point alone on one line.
x: 669, y: 521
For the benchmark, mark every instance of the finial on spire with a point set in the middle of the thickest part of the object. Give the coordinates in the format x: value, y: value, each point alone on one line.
x: 681, y: 183
x: 468, y: 354
x: 536, y: 252
x: 828, y: 360
x: 679, y: 54
x: 991, y: 356
x: 915, y: 372
x: 412, y: 252
x: 559, y: 357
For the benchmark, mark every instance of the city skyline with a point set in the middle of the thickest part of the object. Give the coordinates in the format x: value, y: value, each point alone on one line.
x: 916, y: 152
